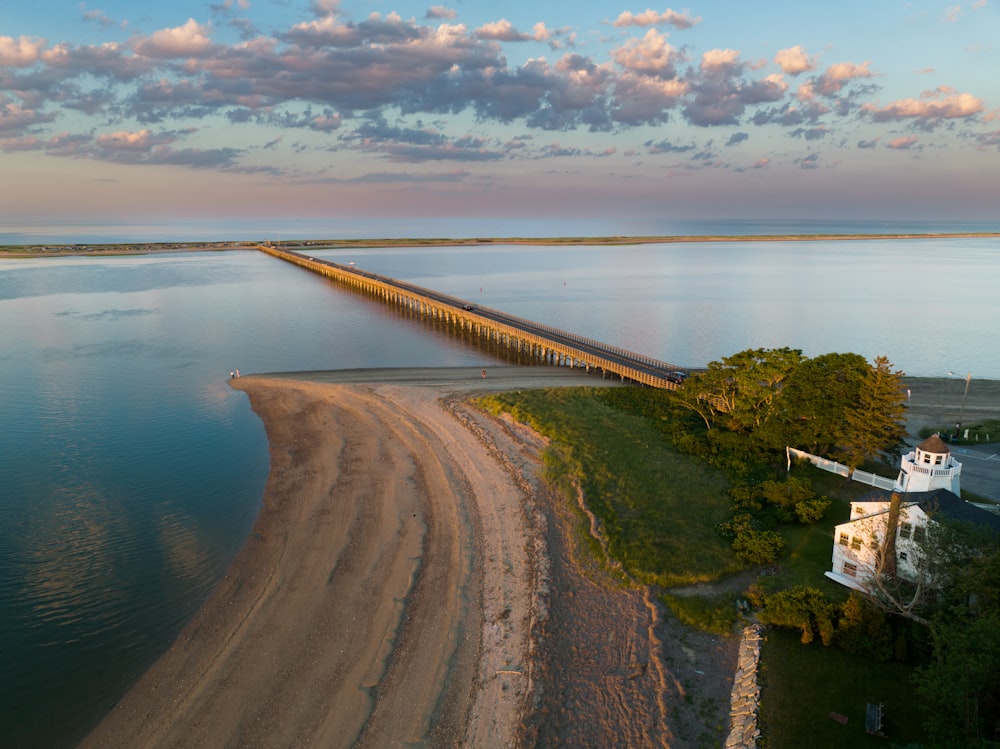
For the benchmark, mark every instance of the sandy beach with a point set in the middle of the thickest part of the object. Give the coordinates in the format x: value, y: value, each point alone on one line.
x: 389, y: 589
x: 409, y: 581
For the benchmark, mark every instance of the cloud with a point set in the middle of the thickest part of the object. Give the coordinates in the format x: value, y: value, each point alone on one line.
x: 721, y: 95
x: 98, y: 17
x: 666, y: 146
x: 651, y: 55
x: 20, y: 52
x: 652, y: 18
x: 903, y: 144
x: 124, y: 140
x: 948, y: 107
x: 189, y: 40
x: 838, y: 75
x: 14, y: 118
x: 440, y: 11
x: 501, y: 30
x: 737, y: 138
x: 794, y: 61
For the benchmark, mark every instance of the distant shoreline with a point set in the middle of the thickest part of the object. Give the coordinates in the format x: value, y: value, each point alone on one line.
x: 146, y: 248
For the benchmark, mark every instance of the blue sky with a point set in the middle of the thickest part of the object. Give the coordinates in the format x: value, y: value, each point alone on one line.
x: 324, y: 111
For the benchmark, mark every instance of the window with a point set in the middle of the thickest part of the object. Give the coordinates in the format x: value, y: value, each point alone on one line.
x: 919, y: 533
x: 927, y: 457
x: 938, y: 459
x: 856, y: 543
x: 851, y: 570
x: 903, y: 556
x: 844, y: 538
x: 905, y: 530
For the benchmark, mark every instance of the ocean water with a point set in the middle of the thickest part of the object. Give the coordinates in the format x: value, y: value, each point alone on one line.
x: 130, y: 473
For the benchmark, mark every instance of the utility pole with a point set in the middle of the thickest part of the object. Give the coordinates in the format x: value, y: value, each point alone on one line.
x: 961, y: 411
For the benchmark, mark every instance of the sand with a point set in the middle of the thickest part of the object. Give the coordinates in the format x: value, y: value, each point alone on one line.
x: 387, y: 593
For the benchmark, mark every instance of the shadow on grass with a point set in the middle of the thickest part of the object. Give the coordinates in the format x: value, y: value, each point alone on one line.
x: 803, y: 685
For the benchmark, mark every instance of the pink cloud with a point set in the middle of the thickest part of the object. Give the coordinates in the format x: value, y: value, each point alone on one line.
x: 20, y: 52
x: 949, y: 107
x: 902, y: 144
x: 794, y: 60
x: 189, y: 40
x: 652, y: 18
x: 651, y: 55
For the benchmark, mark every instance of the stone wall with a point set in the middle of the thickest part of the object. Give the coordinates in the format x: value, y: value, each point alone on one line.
x: 745, y: 700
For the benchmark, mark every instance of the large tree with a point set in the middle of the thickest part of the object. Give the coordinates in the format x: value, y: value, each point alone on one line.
x: 739, y: 392
x: 877, y: 424
x: 815, y: 401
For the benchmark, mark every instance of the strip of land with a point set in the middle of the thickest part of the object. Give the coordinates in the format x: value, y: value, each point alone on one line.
x: 140, y: 248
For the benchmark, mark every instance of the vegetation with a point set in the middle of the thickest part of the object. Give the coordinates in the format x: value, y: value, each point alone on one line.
x: 691, y: 485
x: 657, y: 509
x: 984, y: 431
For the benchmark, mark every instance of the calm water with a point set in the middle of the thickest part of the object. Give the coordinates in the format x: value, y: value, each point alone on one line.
x: 130, y: 473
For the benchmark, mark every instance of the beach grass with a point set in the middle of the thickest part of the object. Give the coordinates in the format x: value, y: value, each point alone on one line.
x: 659, y: 510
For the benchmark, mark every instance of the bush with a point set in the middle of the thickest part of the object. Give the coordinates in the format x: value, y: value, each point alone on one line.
x: 758, y: 547
x: 810, y: 511
x: 803, y: 608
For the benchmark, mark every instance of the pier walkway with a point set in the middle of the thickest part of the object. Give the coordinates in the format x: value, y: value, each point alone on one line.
x: 540, y: 342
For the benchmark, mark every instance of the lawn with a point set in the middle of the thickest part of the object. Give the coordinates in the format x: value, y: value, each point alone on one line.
x: 659, y: 509
x: 801, y: 685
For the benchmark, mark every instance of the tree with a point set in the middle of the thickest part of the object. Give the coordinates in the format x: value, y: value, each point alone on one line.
x: 961, y: 684
x: 815, y: 401
x: 877, y: 424
x: 738, y: 392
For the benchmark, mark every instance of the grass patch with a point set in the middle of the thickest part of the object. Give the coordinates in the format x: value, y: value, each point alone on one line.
x: 981, y: 433
x: 717, y: 614
x: 803, y: 684
x: 659, y: 509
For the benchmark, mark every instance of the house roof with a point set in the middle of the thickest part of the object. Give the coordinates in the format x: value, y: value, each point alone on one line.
x: 944, y: 502
x: 934, y: 444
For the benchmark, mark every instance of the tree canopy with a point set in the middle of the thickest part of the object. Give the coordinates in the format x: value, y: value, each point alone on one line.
x: 837, y: 405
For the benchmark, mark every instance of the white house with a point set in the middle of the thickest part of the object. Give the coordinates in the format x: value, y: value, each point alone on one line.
x: 927, y: 487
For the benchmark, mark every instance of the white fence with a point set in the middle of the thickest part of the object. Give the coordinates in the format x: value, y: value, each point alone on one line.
x: 840, y: 469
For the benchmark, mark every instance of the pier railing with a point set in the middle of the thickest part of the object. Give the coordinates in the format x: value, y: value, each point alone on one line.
x: 543, y: 342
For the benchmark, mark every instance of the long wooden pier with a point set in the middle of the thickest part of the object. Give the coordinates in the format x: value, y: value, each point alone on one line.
x: 540, y: 342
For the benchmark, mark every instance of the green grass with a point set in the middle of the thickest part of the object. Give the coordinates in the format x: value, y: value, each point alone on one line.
x: 981, y: 433
x: 717, y: 613
x: 803, y: 684
x: 659, y: 509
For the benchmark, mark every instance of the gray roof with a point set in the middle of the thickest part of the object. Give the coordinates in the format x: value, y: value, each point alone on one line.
x: 941, y: 501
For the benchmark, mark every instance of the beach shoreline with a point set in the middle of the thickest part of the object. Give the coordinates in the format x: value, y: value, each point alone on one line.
x: 387, y: 592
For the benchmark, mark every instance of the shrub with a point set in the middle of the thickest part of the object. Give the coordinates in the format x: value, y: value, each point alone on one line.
x: 810, y: 511
x: 758, y: 547
x: 803, y: 608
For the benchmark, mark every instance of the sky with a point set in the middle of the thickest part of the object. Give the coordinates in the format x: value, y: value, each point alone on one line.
x: 380, y: 117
